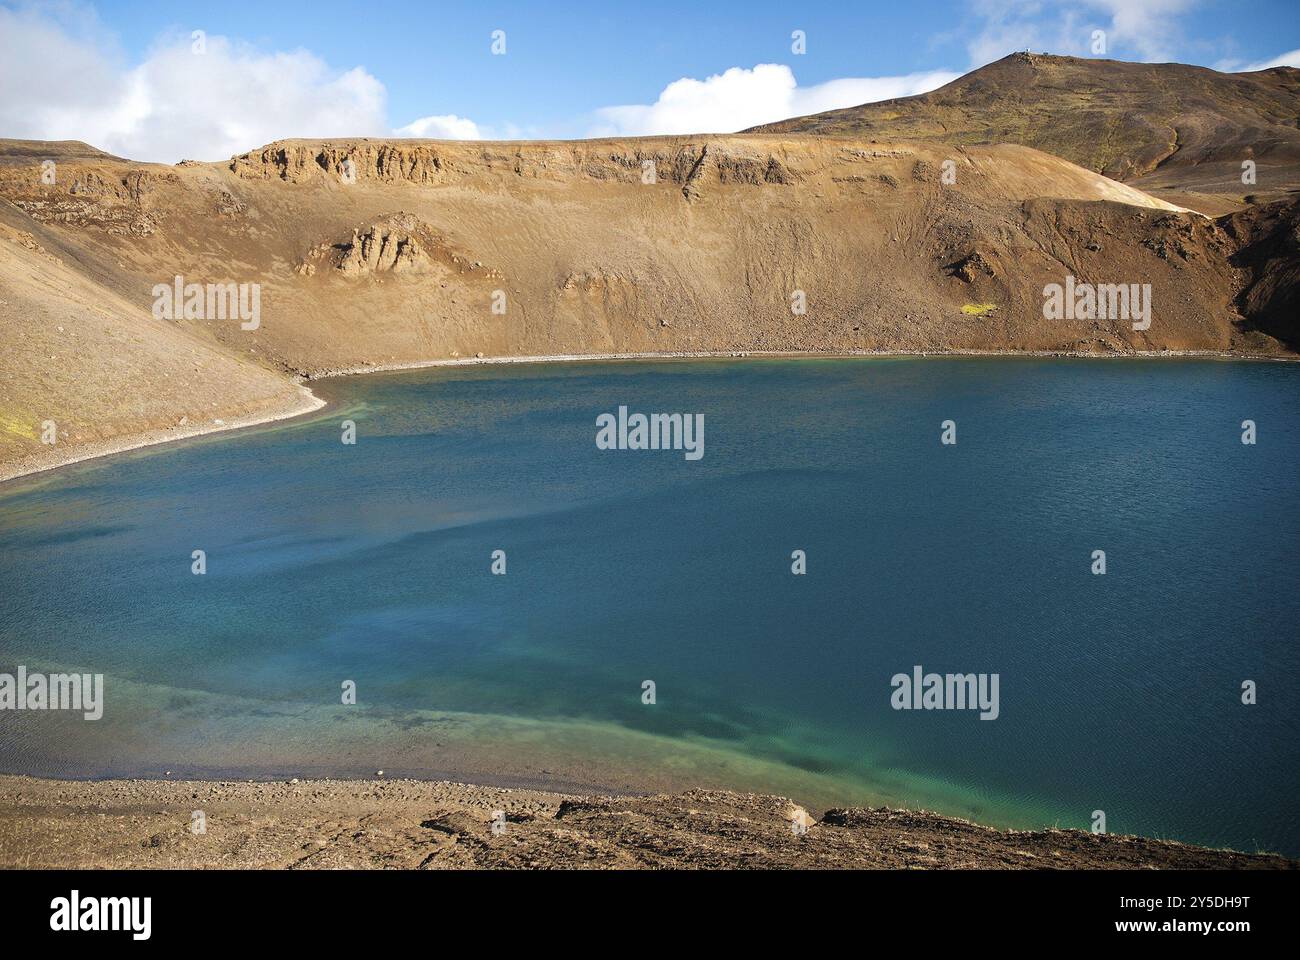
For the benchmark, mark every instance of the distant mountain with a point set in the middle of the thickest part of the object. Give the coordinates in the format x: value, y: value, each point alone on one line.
x: 1162, y: 126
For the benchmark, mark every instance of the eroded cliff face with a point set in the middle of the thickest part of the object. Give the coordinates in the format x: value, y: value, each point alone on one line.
x: 1266, y: 245
x: 107, y: 199
x: 364, y: 160
x: 424, y: 163
x: 369, y: 253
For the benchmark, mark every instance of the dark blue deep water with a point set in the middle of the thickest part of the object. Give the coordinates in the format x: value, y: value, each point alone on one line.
x: 371, y: 563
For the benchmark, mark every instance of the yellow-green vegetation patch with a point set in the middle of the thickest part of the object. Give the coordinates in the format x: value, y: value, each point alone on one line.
x: 978, y: 309
x: 21, y: 428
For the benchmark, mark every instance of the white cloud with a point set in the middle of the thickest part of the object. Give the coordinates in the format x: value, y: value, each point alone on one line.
x: 1145, y: 28
x: 1291, y: 59
x: 740, y: 98
x: 446, y: 127
x: 66, y: 83
x: 1012, y: 25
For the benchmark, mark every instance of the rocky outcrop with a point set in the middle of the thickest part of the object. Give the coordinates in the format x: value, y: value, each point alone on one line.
x: 113, y: 200
x: 112, y: 217
x: 347, y: 162
x: 378, y: 250
x: 971, y: 266
x: 1269, y: 253
x: 397, y: 244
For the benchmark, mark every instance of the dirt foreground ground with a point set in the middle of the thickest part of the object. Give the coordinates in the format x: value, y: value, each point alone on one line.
x: 408, y: 824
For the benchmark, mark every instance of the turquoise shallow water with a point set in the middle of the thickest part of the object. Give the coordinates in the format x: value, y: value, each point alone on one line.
x: 371, y: 563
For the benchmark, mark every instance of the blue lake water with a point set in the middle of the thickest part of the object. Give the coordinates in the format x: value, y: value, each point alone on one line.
x: 371, y: 563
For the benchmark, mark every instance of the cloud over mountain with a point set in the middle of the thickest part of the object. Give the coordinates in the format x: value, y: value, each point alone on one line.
x: 741, y: 97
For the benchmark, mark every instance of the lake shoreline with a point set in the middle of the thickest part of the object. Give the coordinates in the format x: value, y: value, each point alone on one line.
x: 310, y: 402
x: 307, y: 403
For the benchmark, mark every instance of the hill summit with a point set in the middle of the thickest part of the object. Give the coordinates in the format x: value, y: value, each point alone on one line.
x: 1192, y: 126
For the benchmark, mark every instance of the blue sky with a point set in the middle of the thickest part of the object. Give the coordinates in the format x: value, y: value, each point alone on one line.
x: 570, y: 69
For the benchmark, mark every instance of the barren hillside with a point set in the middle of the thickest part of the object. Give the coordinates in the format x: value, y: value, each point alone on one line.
x: 371, y: 252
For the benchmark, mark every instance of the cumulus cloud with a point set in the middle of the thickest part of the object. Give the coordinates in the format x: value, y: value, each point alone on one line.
x: 739, y: 98
x: 66, y: 83
x: 446, y: 127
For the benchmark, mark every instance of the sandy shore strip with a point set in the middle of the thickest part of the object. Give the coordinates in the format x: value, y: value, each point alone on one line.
x: 310, y: 402
x: 410, y: 824
x: 797, y: 355
x: 57, y: 457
